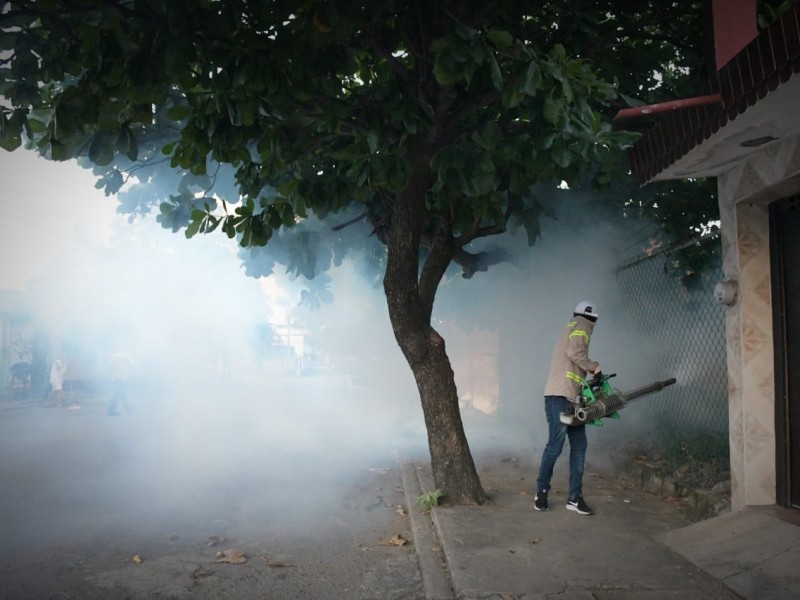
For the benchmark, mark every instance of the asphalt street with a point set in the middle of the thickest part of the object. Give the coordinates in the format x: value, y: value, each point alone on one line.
x: 94, y: 507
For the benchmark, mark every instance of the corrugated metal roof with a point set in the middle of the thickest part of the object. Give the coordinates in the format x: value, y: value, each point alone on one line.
x: 769, y: 60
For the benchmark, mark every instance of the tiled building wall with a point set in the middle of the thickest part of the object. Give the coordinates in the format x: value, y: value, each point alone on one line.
x: 744, y: 196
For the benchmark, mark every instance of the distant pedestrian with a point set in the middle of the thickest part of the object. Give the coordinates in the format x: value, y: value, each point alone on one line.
x: 568, y: 368
x: 57, y: 374
x: 120, y: 366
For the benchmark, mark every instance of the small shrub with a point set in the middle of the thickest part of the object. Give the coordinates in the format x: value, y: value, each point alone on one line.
x: 428, y: 500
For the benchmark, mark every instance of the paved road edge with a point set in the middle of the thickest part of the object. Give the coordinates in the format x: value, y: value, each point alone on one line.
x: 435, y: 575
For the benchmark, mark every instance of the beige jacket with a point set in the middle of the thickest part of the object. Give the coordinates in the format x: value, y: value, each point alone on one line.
x: 571, y: 359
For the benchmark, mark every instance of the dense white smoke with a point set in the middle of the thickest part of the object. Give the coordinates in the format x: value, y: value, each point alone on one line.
x: 218, y: 406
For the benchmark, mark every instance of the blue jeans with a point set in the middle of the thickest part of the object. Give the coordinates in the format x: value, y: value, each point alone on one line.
x: 553, y: 407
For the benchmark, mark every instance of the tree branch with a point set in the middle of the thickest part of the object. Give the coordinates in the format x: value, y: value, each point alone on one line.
x: 441, y: 253
x: 469, y: 105
x: 496, y: 229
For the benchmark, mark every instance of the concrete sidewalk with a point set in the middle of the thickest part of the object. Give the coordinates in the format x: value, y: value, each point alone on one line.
x: 635, y: 546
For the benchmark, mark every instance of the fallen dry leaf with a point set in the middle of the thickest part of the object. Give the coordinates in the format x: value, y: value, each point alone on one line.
x: 216, y: 540
x: 401, y: 511
x: 137, y: 559
x: 232, y: 556
x: 395, y: 540
x: 524, y: 493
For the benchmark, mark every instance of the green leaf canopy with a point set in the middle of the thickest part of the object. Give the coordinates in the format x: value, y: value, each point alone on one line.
x: 317, y: 106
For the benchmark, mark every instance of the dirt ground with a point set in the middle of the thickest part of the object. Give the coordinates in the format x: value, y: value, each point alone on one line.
x: 95, y: 507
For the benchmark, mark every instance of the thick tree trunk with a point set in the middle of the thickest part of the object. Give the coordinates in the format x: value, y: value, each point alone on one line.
x: 409, y: 296
x: 453, y: 467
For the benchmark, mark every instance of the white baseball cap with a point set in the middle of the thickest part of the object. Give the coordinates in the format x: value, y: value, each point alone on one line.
x: 586, y: 308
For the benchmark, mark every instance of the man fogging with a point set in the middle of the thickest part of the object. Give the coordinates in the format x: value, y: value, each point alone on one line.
x: 568, y: 369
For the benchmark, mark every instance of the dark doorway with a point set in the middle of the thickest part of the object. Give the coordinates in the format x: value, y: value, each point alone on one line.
x: 785, y: 260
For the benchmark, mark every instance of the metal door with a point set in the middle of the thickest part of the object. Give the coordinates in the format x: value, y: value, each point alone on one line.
x: 785, y: 254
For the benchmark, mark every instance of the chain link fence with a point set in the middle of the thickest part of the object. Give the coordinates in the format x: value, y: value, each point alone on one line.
x: 689, y: 420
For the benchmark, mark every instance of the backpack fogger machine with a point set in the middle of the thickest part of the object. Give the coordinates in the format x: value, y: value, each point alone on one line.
x: 599, y: 400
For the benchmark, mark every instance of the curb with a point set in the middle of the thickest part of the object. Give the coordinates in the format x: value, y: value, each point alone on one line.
x: 436, y: 578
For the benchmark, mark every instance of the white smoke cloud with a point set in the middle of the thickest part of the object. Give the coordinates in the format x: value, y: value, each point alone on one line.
x: 215, y: 408
x: 48, y: 209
